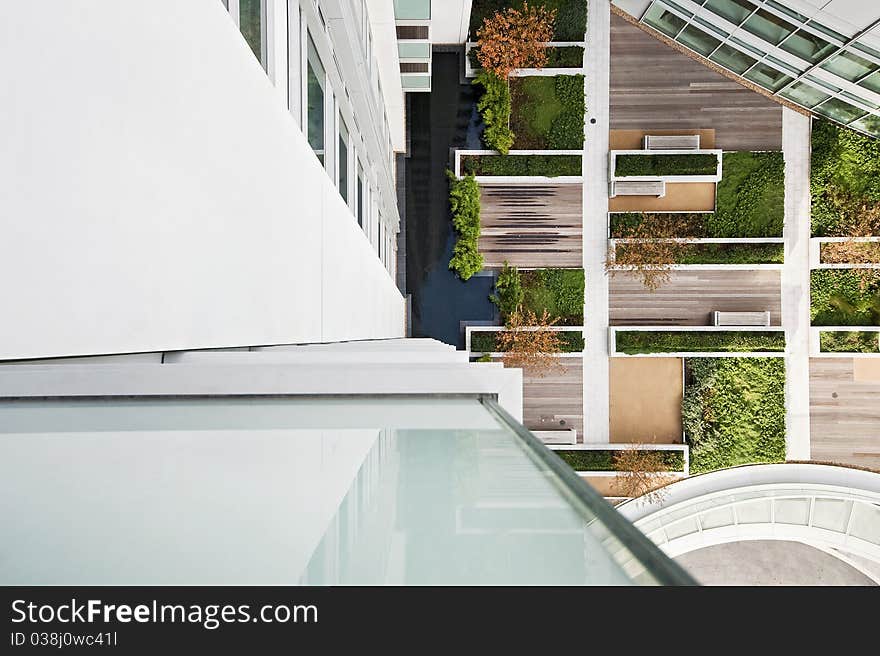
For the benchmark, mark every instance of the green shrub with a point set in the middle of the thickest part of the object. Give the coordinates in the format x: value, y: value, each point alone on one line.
x: 464, y: 201
x: 841, y: 297
x: 486, y: 342
x: 522, y: 165
x: 571, y: 16
x: 565, y: 57
x: 696, y: 224
x: 495, y: 107
x: 734, y: 411
x: 508, y: 290
x: 732, y: 254
x: 559, y: 291
x: 750, y: 198
x: 848, y: 342
x: 659, y: 165
x: 544, y: 119
x: 567, y: 132
x: 598, y: 460
x: 743, y: 341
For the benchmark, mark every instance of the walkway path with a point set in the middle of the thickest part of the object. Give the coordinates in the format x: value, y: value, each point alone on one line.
x: 597, y: 65
x: 796, y: 283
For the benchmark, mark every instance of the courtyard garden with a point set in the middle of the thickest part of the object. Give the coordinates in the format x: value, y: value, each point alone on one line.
x: 845, y: 297
x: 559, y: 292
x: 733, y: 412
x: 750, y: 198
x: 547, y: 113
x: 570, y: 23
x: 844, y: 182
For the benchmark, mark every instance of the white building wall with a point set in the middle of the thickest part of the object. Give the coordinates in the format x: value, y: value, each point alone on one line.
x: 155, y: 195
x: 450, y: 20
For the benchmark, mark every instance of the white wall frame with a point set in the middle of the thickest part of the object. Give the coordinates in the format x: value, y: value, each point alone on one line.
x: 520, y: 179
x: 684, y: 449
x: 613, y: 352
x: 612, y: 166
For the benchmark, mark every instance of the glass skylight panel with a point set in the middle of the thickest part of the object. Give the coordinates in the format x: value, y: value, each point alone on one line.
x: 804, y: 94
x: 849, y: 66
x: 733, y: 59
x: 827, y: 31
x: 663, y: 20
x: 698, y: 40
x: 869, y: 124
x: 768, y: 77
x: 785, y: 10
x: 733, y: 10
x: 840, y: 111
x: 871, y: 82
x: 769, y: 27
x: 807, y: 45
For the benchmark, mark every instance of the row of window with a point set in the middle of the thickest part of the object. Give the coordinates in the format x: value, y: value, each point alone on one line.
x: 779, y: 77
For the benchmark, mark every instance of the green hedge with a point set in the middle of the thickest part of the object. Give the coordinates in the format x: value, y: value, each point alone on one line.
x: 734, y: 341
x: 571, y: 16
x: 557, y: 57
x: 495, y: 106
x: 749, y: 200
x: 486, y: 342
x: 734, y: 411
x: 522, y: 165
x: 841, y: 297
x: 464, y: 201
x: 844, y: 169
x: 660, y: 165
x: 694, y: 224
x: 509, y: 292
x: 732, y: 254
x: 583, y: 460
x: 854, y: 341
x: 548, y: 112
x: 559, y: 291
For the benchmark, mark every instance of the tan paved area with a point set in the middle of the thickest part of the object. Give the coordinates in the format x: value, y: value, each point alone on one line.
x: 632, y: 139
x: 680, y: 197
x: 646, y: 396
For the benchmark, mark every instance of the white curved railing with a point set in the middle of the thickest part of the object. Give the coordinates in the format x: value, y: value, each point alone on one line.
x: 828, y: 507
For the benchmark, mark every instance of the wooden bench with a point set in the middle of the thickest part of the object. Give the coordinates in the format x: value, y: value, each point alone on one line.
x: 672, y: 142
x: 566, y: 436
x: 740, y: 318
x: 638, y: 188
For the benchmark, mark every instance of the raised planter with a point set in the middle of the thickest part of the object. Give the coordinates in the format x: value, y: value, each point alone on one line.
x: 845, y: 341
x: 598, y: 459
x: 656, y: 169
x: 477, y: 347
x: 819, y: 246
x: 759, y: 253
x: 697, y: 341
x: 527, y: 161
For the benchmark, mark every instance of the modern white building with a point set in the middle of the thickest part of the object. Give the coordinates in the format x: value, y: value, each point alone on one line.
x: 823, y: 55
x: 203, y: 366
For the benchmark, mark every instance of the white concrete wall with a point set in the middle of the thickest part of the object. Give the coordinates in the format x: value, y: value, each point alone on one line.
x: 385, y: 48
x: 155, y: 195
x: 450, y: 20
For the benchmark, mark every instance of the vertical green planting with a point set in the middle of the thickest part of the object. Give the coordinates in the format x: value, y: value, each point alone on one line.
x: 464, y: 201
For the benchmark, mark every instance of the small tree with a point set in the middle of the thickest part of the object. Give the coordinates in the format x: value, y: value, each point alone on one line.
x: 642, y: 474
x: 654, y: 249
x: 509, y: 291
x: 530, y: 343
x: 515, y: 39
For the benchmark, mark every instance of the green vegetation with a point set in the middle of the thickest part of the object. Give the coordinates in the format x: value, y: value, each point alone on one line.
x: 521, y: 165
x: 660, y: 165
x: 588, y: 460
x: 494, y: 106
x: 734, y: 411
x: 557, y: 57
x: 464, y: 201
x: 732, y: 341
x: 853, y: 341
x: 548, y: 112
x: 509, y: 293
x: 845, y: 297
x: 732, y: 254
x: 844, y: 181
x: 696, y: 224
x: 486, y: 342
x: 750, y: 197
x: 559, y: 291
x: 571, y: 16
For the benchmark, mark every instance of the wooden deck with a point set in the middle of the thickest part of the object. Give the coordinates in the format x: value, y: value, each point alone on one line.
x: 653, y: 86
x: 844, y: 414
x: 532, y: 226
x: 690, y: 296
x: 556, y: 398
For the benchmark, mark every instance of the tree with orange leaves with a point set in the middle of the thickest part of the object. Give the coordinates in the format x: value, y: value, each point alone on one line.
x: 515, y: 39
x: 530, y: 343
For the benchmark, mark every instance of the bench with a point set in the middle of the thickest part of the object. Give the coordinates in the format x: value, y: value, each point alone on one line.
x: 638, y: 188
x: 566, y: 436
x: 672, y: 142
x: 740, y: 318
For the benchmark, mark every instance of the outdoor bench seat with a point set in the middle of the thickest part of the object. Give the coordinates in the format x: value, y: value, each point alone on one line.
x: 672, y: 142
x: 638, y: 188
x: 740, y: 318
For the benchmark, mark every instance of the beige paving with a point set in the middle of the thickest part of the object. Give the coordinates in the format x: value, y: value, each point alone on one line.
x: 680, y: 197
x: 632, y: 139
x: 646, y: 395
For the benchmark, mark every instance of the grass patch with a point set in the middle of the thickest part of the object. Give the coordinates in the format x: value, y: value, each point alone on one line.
x: 559, y: 291
x: 548, y: 112
x: 486, y: 342
x: 841, y: 297
x: 522, y: 165
x: 660, y: 165
x: 844, y: 178
x: 734, y: 412
x: 734, y: 341
x: 696, y: 223
x: 854, y: 341
x: 571, y: 16
x: 732, y: 254
x: 750, y: 196
x: 589, y: 460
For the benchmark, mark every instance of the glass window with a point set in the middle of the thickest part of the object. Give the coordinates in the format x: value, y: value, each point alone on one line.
x: 681, y: 10
x: 827, y: 31
x: 663, y: 20
x: 840, y: 111
x: 361, y: 196
x: 849, y: 66
x: 712, y: 28
x: 857, y: 101
x: 869, y: 124
x: 785, y: 10
x: 731, y: 58
x: 747, y: 47
x: 733, y: 10
x: 807, y: 45
x: 250, y: 15
x: 343, y: 159
x: 769, y: 27
x: 315, y: 90
x: 767, y: 77
x: 868, y: 50
x: 871, y: 82
x: 804, y: 94
x: 696, y: 39
x: 412, y: 9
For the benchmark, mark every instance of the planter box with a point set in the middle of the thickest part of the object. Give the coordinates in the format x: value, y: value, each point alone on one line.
x: 713, y: 177
x: 683, y: 330
x: 601, y: 456
x: 519, y: 179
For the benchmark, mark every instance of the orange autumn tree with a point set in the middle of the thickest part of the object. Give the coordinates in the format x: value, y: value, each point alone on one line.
x: 642, y: 474
x: 515, y: 39
x: 530, y: 343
